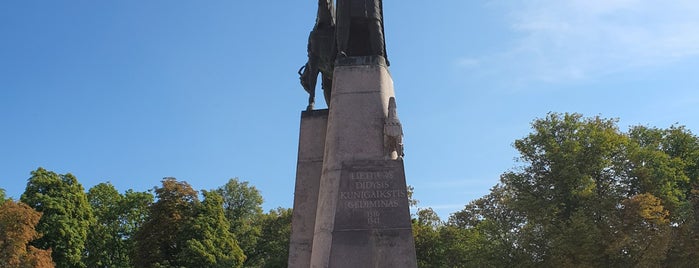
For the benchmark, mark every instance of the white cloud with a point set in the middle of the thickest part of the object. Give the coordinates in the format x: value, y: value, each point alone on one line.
x: 581, y: 39
x: 467, y: 62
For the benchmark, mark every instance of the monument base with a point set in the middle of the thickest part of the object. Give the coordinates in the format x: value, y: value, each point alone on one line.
x: 372, y: 219
x: 363, y: 216
x: 308, y: 170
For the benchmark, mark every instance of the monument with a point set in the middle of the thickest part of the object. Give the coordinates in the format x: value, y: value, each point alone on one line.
x: 350, y: 201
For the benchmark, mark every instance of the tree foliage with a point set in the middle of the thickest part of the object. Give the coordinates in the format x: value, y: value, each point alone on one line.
x: 117, y: 217
x: 569, y: 182
x: 104, y: 248
x: 272, y: 249
x: 161, y: 238
x: 2, y: 196
x: 211, y: 244
x: 17, y: 223
x: 66, y: 215
x: 181, y: 231
x: 426, y: 236
x: 242, y: 205
x: 586, y: 195
x: 105, y: 228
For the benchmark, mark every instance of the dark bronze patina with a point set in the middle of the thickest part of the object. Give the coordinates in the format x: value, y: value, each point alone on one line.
x: 356, y: 29
x: 321, y: 53
x: 360, y: 28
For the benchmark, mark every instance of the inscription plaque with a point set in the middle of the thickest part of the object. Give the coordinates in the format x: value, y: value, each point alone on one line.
x: 372, y: 195
x: 372, y: 220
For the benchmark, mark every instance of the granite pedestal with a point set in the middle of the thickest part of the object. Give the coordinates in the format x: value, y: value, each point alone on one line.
x: 308, y: 170
x: 362, y: 217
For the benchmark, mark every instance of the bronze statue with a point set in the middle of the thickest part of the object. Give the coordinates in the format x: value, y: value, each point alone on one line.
x: 321, y: 53
x: 360, y: 28
x: 357, y: 31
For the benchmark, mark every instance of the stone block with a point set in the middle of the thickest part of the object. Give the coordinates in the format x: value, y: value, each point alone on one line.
x: 357, y: 227
x: 308, y: 173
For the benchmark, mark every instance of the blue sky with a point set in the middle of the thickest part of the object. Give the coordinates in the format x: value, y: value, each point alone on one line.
x: 133, y: 91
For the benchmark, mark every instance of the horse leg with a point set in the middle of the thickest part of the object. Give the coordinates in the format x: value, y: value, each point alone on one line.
x: 311, y: 101
x: 311, y: 76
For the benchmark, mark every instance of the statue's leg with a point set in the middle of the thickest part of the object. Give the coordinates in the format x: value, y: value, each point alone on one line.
x: 327, y: 84
x: 342, y: 27
x: 377, y: 38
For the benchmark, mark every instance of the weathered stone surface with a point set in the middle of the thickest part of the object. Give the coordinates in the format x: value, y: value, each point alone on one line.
x: 359, y: 105
x: 362, y: 219
x: 374, y: 248
x: 308, y: 173
x: 372, y: 195
x: 393, y: 132
x: 372, y: 220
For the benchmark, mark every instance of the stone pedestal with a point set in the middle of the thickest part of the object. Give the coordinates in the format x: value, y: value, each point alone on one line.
x: 308, y: 171
x: 362, y: 217
x: 372, y: 220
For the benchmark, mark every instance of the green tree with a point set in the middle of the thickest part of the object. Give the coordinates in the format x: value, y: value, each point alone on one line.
x: 644, y: 234
x: 684, y: 249
x: 2, y: 196
x: 110, y: 239
x: 66, y: 215
x: 104, y: 247
x: 163, y: 236
x: 495, y: 238
x: 272, y: 249
x: 17, y: 223
x: 412, y: 202
x: 569, y: 181
x: 461, y: 247
x: 589, y: 195
x: 134, y: 212
x: 428, y: 245
x: 242, y: 205
x: 586, y: 195
x: 212, y: 244
x: 180, y: 231
x: 662, y: 163
x: 665, y: 163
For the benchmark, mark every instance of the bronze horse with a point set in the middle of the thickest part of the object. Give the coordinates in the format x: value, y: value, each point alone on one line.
x: 321, y: 53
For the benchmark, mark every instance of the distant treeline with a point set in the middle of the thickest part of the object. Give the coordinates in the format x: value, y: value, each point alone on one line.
x: 584, y: 194
x: 57, y: 223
